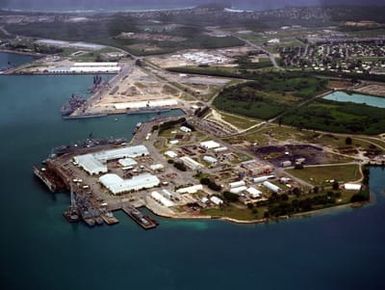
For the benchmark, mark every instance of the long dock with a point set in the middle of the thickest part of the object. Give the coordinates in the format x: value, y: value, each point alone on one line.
x: 145, y: 222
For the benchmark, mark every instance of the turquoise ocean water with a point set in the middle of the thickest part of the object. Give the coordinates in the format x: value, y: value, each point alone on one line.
x: 342, y: 249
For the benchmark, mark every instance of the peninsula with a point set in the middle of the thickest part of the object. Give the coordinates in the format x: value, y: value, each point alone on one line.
x: 271, y: 122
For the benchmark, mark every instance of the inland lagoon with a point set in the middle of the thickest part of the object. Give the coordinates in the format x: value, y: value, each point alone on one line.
x: 340, y: 96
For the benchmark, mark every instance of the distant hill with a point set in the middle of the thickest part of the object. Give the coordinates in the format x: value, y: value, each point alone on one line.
x: 169, y: 4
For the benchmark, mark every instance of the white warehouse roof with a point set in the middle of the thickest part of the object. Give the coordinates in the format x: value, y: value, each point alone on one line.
x: 117, y: 185
x: 146, y: 104
x: 271, y: 186
x: 210, y: 145
x: 191, y: 189
x: 170, y: 154
x: 210, y: 159
x: 255, y: 193
x: 237, y: 190
x: 262, y: 178
x: 90, y: 164
x: 95, y: 64
x: 237, y: 184
x: 161, y: 199
x: 191, y: 163
x: 216, y: 200
x: 126, y: 152
x: 352, y: 186
x: 127, y: 162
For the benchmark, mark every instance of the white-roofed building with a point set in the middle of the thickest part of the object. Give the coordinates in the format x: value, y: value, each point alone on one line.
x: 238, y: 190
x: 125, y: 152
x: 263, y: 178
x: 161, y: 199
x: 237, y: 184
x: 210, y: 159
x: 271, y: 186
x: 185, y: 129
x: 157, y: 167
x: 127, y: 163
x: 209, y: 145
x: 90, y: 164
x: 216, y: 200
x: 171, y: 154
x: 191, y: 163
x: 167, y: 194
x: 220, y: 149
x: 352, y: 186
x: 116, y: 185
x: 96, y: 163
x: 190, y: 189
x: 254, y: 193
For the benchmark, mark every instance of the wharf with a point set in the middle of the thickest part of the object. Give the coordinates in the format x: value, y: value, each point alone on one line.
x: 109, y: 219
x: 145, y: 222
x: 49, y: 178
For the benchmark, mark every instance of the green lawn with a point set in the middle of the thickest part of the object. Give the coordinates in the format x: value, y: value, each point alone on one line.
x: 239, y: 121
x: 319, y: 175
x: 234, y: 212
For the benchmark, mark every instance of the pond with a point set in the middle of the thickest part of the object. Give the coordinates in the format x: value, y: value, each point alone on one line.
x: 341, y: 96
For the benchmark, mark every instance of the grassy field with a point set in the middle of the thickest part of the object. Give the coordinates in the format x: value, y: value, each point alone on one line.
x: 319, y: 175
x: 239, y: 121
x: 234, y: 212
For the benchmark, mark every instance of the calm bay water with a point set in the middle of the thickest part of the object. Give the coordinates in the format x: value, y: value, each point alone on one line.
x: 340, y: 96
x: 11, y: 59
x: 39, y: 250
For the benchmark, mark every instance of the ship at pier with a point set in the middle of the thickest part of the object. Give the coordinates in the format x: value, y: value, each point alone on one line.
x: 75, y: 102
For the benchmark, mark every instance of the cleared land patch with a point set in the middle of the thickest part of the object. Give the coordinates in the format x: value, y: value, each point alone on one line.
x: 322, y: 175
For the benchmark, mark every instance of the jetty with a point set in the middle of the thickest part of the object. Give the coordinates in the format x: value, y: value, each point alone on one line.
x: 142, y: 220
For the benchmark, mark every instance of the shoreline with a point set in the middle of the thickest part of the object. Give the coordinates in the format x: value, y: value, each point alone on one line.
x: 33, y: 54
x: 94, y: 11
x: 308, y: 214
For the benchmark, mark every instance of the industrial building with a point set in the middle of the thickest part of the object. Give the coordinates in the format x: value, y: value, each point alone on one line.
x: 190, y: 189
x: 191, y: 163
x: 254, y: 193
x: 146, y: 104
x: 161, y: 199
x: 171, y: 154
x: 209, y: 145
x: 116, y: 185
x: 96, y: 163
x: 263, y: 178
x: 127, y: 163
x: 185, y: 129
x: 90, y: 164
x: 125, y: 152
x: 87, y: 67
x: 216, y: 200
x: 237, y: 184
x: 352, y: 186
x: 238, y: 190
x: 211, y: 160
x: 271, y: 187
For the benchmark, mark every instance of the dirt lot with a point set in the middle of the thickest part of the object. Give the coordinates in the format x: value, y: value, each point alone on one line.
x: 192, y: 57
x: 278, y: 154
x: 376, y: 90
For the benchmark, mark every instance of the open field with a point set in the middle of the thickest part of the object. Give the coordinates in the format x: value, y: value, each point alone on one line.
x: 322, y: 175
x: 239, y: 121
x: 243, y: 214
